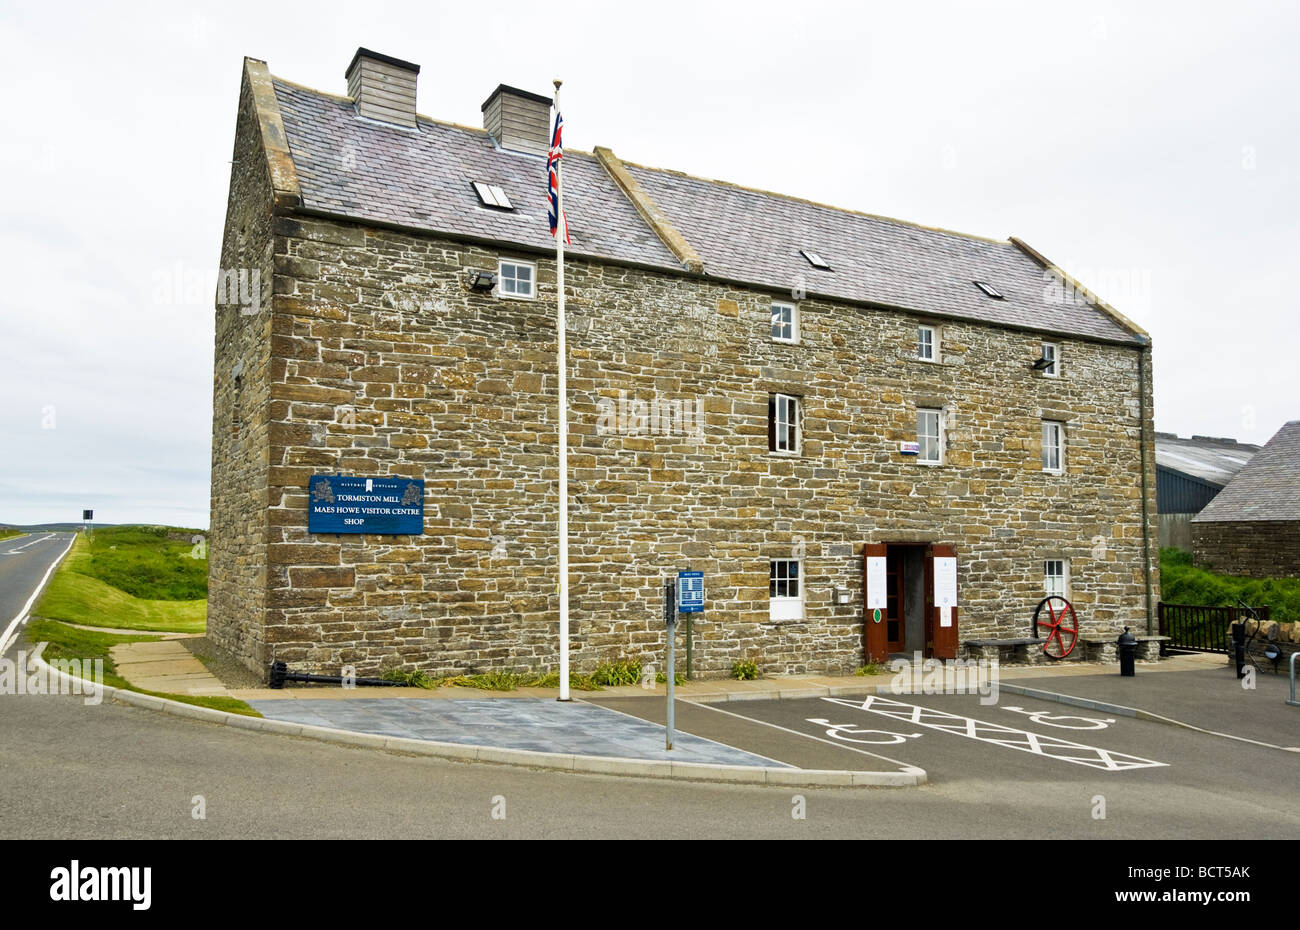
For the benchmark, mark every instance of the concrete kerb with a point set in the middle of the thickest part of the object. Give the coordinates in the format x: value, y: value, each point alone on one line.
x: 565, y: 762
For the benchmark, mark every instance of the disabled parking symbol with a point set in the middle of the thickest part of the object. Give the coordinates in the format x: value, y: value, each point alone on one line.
x: 848, y: 733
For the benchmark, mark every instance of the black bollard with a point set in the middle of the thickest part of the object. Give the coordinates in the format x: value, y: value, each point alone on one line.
x: 1128, y: 645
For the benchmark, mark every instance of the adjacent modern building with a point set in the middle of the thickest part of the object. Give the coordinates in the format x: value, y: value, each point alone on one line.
x: 764, y: 389
x: 1252, y: 527
x: 1189, y: 473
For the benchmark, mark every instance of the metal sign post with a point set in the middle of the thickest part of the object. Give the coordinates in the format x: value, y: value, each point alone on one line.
x: 670, y: 621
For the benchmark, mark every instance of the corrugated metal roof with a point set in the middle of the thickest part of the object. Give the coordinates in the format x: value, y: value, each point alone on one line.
x: 1267, y: 488
x: 1212, y: 460
x: 373, y: 172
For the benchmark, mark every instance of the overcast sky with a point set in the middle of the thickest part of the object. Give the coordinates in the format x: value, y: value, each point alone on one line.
x: 1152, y: 153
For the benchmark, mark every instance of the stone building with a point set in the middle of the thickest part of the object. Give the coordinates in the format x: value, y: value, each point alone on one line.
x: 1252, y: 527
x: 761, y: 388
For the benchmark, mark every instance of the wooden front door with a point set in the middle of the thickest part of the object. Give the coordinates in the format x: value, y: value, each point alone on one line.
x: 875, y: 647
x: 941, y: 641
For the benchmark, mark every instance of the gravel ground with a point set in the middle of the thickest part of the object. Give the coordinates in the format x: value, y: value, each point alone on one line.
x: 222, y: 664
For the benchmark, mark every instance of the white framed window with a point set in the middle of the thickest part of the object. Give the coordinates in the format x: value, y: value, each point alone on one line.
x: 783, y: 424
x: 929, y: 435
x: 927, y: 343
x: 1053, y: 446
x: 517, y: 279
x: 785, y: 592
x: 785, y: 322
x: 1056, y: 577
x: 1052, y: 352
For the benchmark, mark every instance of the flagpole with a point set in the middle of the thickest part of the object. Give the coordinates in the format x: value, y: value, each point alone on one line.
x: 561, y: 231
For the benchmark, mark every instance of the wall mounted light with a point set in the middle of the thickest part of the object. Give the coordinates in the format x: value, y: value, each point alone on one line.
x: 482, y: 281
x: 1042, y: 364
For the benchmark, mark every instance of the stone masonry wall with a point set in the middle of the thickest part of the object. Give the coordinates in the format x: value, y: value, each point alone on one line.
x: 240, y: 441
x: 1264, y: 549
x: 384, y: 363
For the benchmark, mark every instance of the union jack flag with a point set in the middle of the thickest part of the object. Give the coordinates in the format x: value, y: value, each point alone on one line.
x: 552, y: 171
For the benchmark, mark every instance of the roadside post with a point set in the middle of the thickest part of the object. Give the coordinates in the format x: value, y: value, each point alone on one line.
x: 690, y: 601
x: 670, y: 621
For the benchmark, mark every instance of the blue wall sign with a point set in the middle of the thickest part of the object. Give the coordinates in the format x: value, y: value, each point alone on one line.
x: 377, y: 506
x: 690, y: 592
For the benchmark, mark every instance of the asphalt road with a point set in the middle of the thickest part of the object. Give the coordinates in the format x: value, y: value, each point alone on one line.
x: 72, y: 771
x: 24, y: 562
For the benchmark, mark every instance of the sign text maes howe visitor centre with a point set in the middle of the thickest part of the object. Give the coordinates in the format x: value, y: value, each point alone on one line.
x: 377, y: 506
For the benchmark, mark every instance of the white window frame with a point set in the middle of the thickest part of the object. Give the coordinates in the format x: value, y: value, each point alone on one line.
x: 1049, y: 578
x: 1053, y: 370
x: 920, y: 456
x: 792, y: 404
x: 1048, y: 425
x: 934, y: 342
x: 778, y: 306
x: 787, y: 606
x: 501, y: 279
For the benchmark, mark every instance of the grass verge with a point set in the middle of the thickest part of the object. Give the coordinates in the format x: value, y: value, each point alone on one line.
x: 76, y: 595
x: 7, y: 532
x: 1181, y: 582
x: 67, y: 642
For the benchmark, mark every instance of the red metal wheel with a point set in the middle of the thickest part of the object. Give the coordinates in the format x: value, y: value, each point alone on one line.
x: 1059, y: 629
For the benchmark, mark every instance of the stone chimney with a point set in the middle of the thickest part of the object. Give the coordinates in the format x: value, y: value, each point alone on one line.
x: 518, y: 120
x: 382, y: 87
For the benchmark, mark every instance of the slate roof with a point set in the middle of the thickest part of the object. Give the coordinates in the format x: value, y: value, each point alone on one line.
x: 369, y: 171
x: 1211, y: 460
x: 1267, y: 488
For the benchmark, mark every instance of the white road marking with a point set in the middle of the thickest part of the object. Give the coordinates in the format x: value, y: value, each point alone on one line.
x: 32, y: 543
x: 1022, y: 740
x: 1048, y: 719
x: 905, y: 767
x: 847, y: 732
x: 10, y: 632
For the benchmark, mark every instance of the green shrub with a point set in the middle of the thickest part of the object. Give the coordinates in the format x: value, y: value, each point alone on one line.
x: 1181, y: 582
x: 613, y: 674
x: 744, y: 670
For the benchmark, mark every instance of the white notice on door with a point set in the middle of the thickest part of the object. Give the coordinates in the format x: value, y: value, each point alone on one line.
x: 945, y: 582
x: 945, y: 616
x: 876, y: 582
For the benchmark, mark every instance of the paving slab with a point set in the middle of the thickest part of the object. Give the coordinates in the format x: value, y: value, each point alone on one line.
x: 165, y: 666
x: 529, y: 724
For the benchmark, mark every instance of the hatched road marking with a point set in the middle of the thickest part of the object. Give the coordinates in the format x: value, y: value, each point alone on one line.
x: 998, y: 735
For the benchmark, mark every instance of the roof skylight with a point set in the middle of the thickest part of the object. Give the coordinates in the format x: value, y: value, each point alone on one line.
x: 816, y: 260
x: 989, y: 290
x: 492, y: 196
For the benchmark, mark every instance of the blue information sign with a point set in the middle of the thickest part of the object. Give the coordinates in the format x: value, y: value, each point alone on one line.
x: 378, y: 506
x: 690, y: 592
